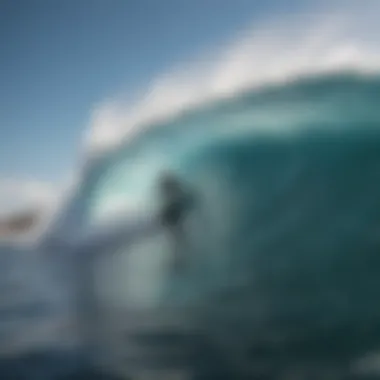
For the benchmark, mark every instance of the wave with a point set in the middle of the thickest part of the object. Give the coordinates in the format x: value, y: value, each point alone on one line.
x: 288, y: 177
x: 285, y: 261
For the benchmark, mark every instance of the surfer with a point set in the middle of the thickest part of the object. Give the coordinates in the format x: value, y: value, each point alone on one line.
x: 176, y: 204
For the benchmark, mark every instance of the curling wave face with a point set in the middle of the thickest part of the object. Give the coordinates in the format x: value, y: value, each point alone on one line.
x: 289, y: 178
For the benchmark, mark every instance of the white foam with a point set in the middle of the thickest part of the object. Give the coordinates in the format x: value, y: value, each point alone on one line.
x: 331, y: 38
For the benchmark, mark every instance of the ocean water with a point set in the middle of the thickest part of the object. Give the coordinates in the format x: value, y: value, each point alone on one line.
x: 283, y: 274
x: 284, y: 267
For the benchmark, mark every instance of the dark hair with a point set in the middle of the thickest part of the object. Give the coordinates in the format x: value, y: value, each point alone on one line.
x: 168, y: 181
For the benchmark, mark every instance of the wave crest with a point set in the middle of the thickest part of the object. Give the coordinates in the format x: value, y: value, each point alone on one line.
x: 318, y: 41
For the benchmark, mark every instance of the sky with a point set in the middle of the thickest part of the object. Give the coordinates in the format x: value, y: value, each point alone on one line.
x: 60, y: 59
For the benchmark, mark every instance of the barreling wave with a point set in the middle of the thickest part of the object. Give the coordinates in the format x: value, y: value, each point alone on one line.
x: 339, y: 104
x: 285, y: 261
x: 282, y: 144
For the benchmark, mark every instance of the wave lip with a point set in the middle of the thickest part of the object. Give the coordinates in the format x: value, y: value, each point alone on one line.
x: 312, y: 42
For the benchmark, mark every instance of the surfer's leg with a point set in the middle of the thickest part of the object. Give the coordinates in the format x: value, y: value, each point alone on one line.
x: 179, y: 247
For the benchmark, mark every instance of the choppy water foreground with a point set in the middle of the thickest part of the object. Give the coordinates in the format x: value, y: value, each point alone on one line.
x: 50, y: 365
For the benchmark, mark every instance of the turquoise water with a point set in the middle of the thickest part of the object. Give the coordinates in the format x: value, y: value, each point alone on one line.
x: 319, y: 111
x: 284, y: 268
x: 287, y: 262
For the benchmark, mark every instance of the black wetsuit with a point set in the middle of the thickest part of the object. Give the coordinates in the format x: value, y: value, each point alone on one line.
x: 172, y: 213
x: 175, y: 208
x: 176, y: 204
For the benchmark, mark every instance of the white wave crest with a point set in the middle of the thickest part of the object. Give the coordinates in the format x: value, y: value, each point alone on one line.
x: 315, y: 41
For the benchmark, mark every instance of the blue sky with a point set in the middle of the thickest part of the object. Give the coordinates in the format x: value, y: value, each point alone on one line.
x: 61, y: 58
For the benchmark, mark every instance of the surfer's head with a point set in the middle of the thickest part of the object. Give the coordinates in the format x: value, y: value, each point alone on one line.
x: 169, y: 183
